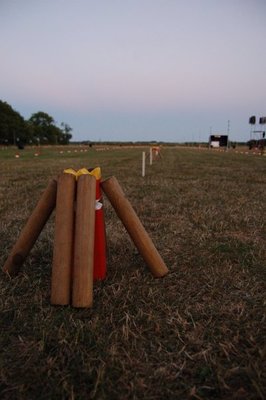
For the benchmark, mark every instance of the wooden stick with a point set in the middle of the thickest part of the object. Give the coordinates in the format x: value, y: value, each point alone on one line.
x: 137, y: 232
x: 63, y: 241
x: 32, y: 229
x: 82, y: 292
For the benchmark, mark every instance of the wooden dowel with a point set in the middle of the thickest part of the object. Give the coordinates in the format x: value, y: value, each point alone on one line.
x: 63, y: 240
x: 82, y: 291
x: 137, y: 232
x: 31, y: 230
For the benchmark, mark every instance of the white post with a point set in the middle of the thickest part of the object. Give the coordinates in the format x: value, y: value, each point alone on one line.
x: 150, y: 155
x: 143, y: 164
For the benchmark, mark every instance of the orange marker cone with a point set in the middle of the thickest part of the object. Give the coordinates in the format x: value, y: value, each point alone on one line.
x: 99, y: 271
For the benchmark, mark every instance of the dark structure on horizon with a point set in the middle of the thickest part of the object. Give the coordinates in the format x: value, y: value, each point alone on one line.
x: 218, y: 141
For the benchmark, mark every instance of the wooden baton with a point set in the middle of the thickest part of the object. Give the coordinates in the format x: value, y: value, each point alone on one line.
x: 137, y: 232
x: 82, y: 290
x: 63, y: 240
x: 31, y: 230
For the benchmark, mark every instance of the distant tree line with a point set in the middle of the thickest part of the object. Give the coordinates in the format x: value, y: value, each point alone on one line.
x: 40, y: 128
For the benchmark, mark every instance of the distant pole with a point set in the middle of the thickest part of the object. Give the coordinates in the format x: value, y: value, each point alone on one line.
x: 228, y: 131
x: 210, y: 137
x: 150, y: 155
x: 143, y: 164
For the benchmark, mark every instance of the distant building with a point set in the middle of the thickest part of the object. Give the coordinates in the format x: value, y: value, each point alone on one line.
x: 216, y: 141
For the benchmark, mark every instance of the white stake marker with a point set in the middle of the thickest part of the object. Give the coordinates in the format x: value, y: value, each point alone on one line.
x: 143, y: 164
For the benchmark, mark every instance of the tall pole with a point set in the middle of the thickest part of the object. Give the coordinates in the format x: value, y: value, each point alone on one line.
x: 228, y: 131
x: 210, y: 136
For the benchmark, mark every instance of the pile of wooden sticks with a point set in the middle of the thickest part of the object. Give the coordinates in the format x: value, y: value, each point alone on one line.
x: 73, y: 257
x: 74, y: 244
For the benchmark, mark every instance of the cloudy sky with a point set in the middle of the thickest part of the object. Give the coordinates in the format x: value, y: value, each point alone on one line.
x: 170, y: 70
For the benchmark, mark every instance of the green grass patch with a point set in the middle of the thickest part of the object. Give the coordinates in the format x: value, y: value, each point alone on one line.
x: 198, y: 333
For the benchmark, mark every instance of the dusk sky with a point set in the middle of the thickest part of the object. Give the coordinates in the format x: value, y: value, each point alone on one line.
x: 165, y: 70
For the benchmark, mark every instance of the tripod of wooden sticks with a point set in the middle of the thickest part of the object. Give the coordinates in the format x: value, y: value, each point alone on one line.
x: 74, y: 244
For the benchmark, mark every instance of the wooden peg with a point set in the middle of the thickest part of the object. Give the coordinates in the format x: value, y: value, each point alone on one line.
x: 31, y: 230
x: 63, y: 240
x: 82, y: 291
x: 137, y: 232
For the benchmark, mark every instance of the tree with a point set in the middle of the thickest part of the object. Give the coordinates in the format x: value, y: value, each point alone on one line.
x: 43, y: 128
x: 39, y: 129
x: 45, y: 131
x: 42, y: 119
x: 13, y: 128
x: 66, y: 135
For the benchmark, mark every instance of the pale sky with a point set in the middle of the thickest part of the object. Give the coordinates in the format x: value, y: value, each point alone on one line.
x: 170, y: 70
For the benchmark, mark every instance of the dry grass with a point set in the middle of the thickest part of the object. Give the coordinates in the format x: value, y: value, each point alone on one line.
x: 198, y: 333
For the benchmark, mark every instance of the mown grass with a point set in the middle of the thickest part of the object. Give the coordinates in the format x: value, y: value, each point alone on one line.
x: 198, y: 333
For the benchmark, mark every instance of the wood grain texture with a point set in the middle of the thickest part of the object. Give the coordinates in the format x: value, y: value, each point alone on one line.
x: 82, y: 291
x: 31, y: 230
x: 137, y: 232
x: 64, y: 240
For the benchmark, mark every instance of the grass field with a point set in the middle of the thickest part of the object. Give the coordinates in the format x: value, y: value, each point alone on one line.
x: 198, y: 333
